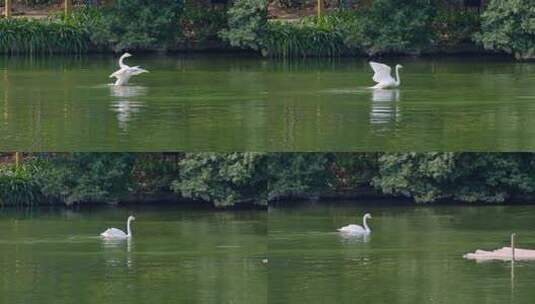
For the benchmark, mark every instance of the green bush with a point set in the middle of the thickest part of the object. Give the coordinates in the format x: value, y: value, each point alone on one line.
x: 199, y: 23
x: 297, y: 174
x: 509, y: 26
x: 18, y: 187
x: 86, y: 177
x: 54, y: 35
x: 155, y: 172
x: 455, y: 26
x: 311, y: 36
x: 138, y: 24
x: 247, y: 21
x: 224, y: 179
x: 467, y: 177
x: 392, y: 26
x: 387, y: 26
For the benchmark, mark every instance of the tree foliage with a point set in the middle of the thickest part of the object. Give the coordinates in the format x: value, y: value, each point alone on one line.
x: 227, y: 179
x: 297, y: 174
x: 138, y: 24
x: 467, y: 177
x: 222, y: 178
x: 86, y: 177
x: 247, y: 21
x: 509, y: 26
x: 392, y: 26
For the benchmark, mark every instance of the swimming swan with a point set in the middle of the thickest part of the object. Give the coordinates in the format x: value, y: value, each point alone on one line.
x: 125, y: 72
x: 114, y: 233
x: 383, y: 76
x: 357, y: 229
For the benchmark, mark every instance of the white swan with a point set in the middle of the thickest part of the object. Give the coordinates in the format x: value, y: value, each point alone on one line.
x: 383, y: 76
x: 357, y: 229
x: 125, y: 72
x: 114, y: 233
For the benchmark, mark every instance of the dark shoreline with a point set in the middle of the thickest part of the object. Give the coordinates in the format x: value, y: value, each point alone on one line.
x: 465, y: 50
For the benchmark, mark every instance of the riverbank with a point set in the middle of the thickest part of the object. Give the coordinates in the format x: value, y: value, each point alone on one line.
x: 430, y: 29
x: 245, y: 180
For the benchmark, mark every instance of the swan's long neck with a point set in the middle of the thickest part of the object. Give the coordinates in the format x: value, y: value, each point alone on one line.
x: 128, y: 230
x: 121, y: 62
x: 365, y: 224
x: 398, y: 80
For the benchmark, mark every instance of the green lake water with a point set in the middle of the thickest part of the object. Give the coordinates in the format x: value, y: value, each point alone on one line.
x: 413, y: 256
x: 175, y: 256
x: 237, y: 103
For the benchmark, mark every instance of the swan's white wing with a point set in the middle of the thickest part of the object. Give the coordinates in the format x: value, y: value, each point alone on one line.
x: 382, y: 72
x: 352, y: 229
x: 118, y: 73
x: 137, y: 70
x: 113, y: 232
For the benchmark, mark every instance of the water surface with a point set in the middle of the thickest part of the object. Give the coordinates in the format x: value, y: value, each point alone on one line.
x: 175, y: 256
x: 414, y: 255
x: 237, y: 103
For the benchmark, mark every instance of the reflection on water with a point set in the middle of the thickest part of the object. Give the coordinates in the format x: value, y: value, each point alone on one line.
x: 385, y: 108
x: 385, y: 95
x: 118, y: 252
x: 414, y: 255
x: 128, y: 91
x: 125, y: 103
x: 225, y: 103
x: 353, y: 238
x: 173, y: 257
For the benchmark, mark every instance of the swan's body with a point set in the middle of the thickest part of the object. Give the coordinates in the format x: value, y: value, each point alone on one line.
x: 125, y: 72
x: 383, y: 76
x: 357, y: 229
x: 114, y: 233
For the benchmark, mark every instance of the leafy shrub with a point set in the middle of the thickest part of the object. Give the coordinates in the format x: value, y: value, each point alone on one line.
x: 246, y: 24
x: 138, y: 24
x: 155, y: 172
x: 387, y: 26
x: 453, y: 27
x: 353, y: 170
x: 199, y: 23
x: 18, y: 187
x: 296, y: 174
x: 22, y: 35
x: 86, y: 177
x: 468, y: 177
x: 311, y: 36
x: 225, y: 179
x: 391, y: 26
x: 509, y: 26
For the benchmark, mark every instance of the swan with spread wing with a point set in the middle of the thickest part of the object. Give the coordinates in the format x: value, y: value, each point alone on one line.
x: 383, y: 76
x: 125, y: 72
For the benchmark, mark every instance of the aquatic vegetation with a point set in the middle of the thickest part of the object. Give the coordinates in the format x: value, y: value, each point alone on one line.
x: 54, y: 35
x: 347, y: 32
x: 18, y: 187
x: 308, y: 37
